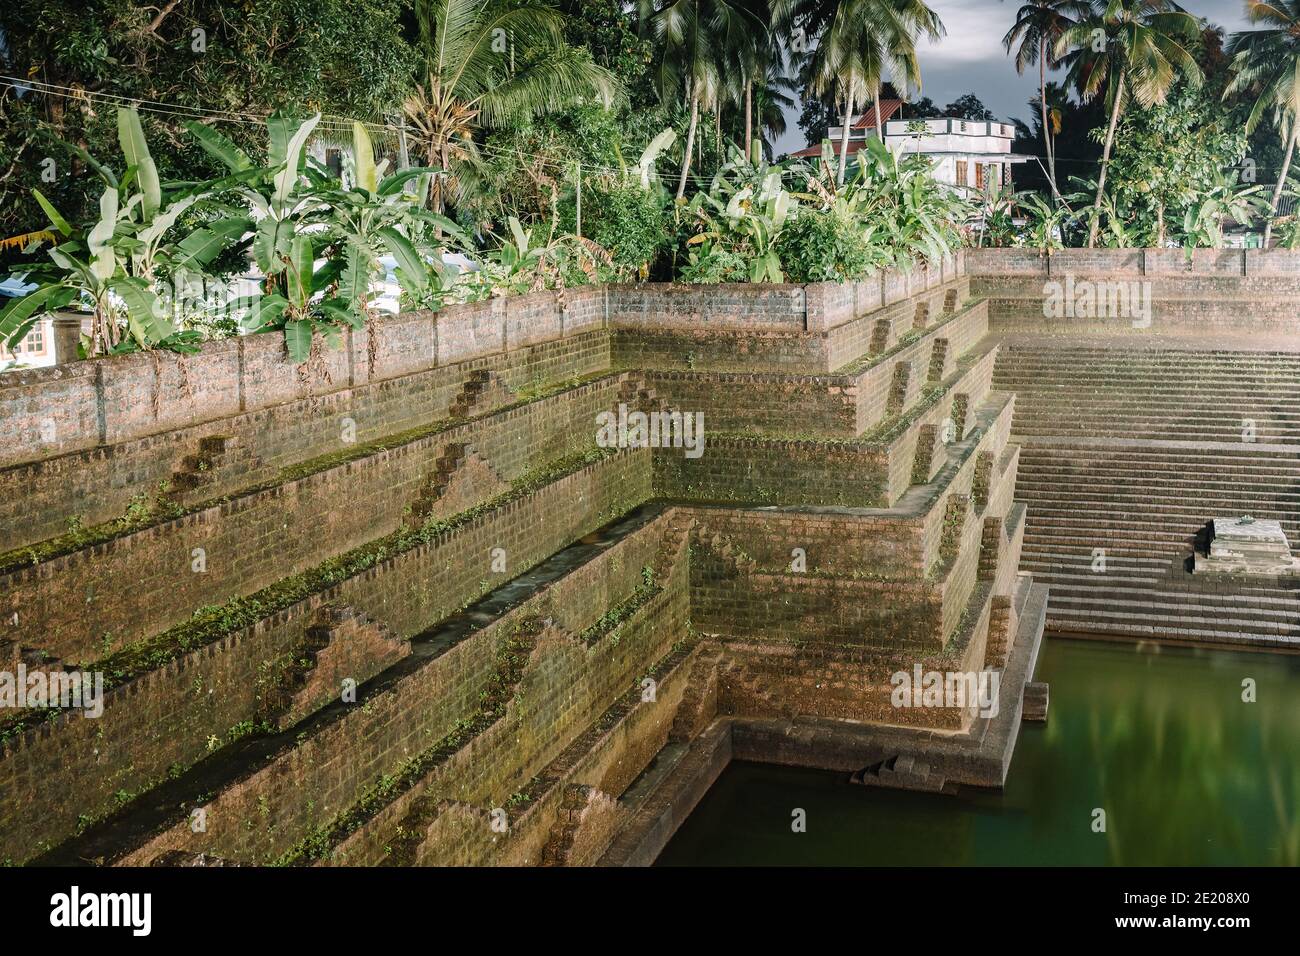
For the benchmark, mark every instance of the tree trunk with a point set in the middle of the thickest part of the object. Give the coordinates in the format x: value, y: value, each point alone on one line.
x: 880, y: 126
x: 749, y: 122
x: 1281, y: 180
x: 440, y: 195
x: 690, y: 144
x: 844, y: 136
x: 1105, y: 162
x: 1042, y: 102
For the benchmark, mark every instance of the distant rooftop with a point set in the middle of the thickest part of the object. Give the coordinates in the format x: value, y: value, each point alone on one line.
x: 888, y: 110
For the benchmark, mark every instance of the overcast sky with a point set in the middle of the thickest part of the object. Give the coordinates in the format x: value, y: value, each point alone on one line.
x: 970, y: 59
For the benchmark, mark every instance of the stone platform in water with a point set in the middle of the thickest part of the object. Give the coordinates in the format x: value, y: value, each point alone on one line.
x: 1246, y: 546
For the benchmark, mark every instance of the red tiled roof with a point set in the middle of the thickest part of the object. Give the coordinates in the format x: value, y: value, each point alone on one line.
x: 813, y: 151
x: 887, y: 109
x: 866, y: 121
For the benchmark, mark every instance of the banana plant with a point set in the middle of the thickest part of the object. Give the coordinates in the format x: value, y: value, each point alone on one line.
x: 284, y: 215
x: 113, y: 267
x: 747, y: 221
x: 299, y: 209
x: 1225, y: 198
x: 305, y: 302
x: 1044, y: 222
x: 645, y: 166
x: 378, y: 213
x: 1107, y: 220
x: 901, y: 209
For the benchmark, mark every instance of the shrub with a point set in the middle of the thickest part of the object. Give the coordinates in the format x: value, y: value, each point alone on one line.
x: 709, y: 263
x: 823, y: 247
x: 629, y: 222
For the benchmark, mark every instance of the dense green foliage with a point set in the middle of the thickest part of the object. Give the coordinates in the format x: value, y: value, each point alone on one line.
x: 629, y: 222
x: 553, y: 132
x: 1167, y: 159
x: 823, y: 248
x: 345, y: 58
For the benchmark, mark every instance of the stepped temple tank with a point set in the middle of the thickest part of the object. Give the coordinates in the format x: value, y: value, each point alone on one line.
x: 421, y: 604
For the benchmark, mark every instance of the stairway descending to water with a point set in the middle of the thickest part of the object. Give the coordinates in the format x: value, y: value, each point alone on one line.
x: 1128, y: 452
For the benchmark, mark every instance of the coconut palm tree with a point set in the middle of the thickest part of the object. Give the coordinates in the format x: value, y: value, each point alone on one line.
x: 1266, y: 64
x: 1057, y: 106
x: 760, y: 63
x: 1131, y: 48
x: 487, y: 64
x: 702, y: 43
x: 858, y: 41
x: 1039, y: 26
x: 773, y: 100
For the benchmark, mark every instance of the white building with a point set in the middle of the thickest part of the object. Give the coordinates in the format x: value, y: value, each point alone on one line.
x: 970, y: 155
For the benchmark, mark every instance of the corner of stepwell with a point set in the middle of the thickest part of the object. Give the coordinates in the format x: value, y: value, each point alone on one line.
x: 402, y: 606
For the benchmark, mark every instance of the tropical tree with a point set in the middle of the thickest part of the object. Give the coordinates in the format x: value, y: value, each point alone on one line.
x: 759, y: 57
x: 487, y: 64
x: 700, y: 40
x: 1266, y: 64
x: 858, y: 41
x: 1039, y: 26
x: 1168, y: 162
x: 773, y: 99
x: 1131, y: 48
x: 343, y: 58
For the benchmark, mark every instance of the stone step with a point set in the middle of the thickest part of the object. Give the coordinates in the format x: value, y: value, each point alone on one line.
x: 1247, y: 386
x: 1174, y: 410
x: 1107, y: 496
x: 1074, y: 572
x: 1146, y: 625
x: 1118, y: 449
x: 1137, y: 357
x: 1170, y: 407
x: 1126, y: 463
x: 1123, y: 486
x: 1223, y: 434
x: 1229, y: 427
x: 1283, y: 609
x: 1178, y: 514
x: 1187, y: 376
x: 1285, y: 613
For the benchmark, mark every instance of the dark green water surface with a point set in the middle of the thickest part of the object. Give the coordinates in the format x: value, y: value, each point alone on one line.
x: 1159, y: 738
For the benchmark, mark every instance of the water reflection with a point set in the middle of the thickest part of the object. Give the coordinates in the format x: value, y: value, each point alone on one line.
x: 1187, y: 773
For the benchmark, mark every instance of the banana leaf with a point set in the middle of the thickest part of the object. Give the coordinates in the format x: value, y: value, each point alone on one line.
x: 56, y: 220
x: 130, y: 135
x: 147, y: 326
x: 18, y: 317
x: 219, y: 147
x: 297, y: 339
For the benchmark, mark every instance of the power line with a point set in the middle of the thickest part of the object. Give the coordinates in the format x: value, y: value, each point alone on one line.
x: 335, y: 124
x: 327, y: 123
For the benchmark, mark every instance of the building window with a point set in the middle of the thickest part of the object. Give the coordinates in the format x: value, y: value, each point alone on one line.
x: 961, y: 172
x: 33, y: 344
x: 979, y: 175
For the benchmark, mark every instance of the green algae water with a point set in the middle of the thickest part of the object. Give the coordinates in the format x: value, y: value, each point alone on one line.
x: 1188, y: 774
